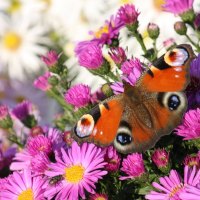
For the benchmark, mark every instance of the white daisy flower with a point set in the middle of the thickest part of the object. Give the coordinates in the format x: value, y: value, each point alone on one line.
x: 21, y: 41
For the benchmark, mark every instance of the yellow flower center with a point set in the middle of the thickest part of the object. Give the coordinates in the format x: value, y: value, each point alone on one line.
x: 193, y: 163
x: 74, y: 174
x: 26, y: 195
x: 158, y: 4
x: 15, y: 5
x: 12, y: 41
x: 176, y: 189
x: 101, y: 31
x: 126, y: 1
x: 100, y: 198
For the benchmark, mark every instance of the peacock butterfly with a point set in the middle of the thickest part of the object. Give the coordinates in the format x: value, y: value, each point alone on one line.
x: 135, y: 120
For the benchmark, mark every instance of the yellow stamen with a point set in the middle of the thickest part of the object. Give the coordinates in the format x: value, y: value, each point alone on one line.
x: 158, y: 4
x: 101, y: 31
x: 176, y: 189
x: 126, y: 1
x: 100, y: 198
x: 12, y: 41
x: 74, y: 174
x: 193, y: 163
x: 15, y: 5
x: 19, y: 99
x: 26, y: 195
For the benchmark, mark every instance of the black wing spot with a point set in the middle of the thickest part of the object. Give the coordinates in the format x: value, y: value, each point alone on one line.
x: 150, y: 73
x: 161, y: 64
x: 95, y: 112
x: 160, y: 98
x: 124, y: 138
x: 106, y: 106
x: 173, y: 102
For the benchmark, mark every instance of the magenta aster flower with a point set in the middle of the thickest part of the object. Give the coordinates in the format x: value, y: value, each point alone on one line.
x: 171, y: 187
x: 112, y: 158
x: 133, y: 166
x: 90, y: 55
x: 160, y: 157
x: 190, y: 127
x: 128, y: 14
x: 23, y: 186
x: 39, y: 164
x: 47, y: 144
x: 98, y: 197
x: 197, y: 21
x: 108, y: 32
x: 132, y: 66
x: 117, y: 54
x: 50, y: 59
x: 81, y: 167
x: 23, y: 110
x: 177, y: 6
x: 78, y: 95
x: 42, y: 82
x: 3, y: 182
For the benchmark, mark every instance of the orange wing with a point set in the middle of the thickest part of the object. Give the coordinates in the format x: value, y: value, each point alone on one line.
x: 101, y: 124
x: 170, y: 72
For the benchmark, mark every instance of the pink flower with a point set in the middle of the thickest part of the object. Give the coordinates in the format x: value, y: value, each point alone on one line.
x: 133, y: 166
x: 112, y: 158
x: 81, y: 167
x: 190, y: 193
x: 23, y: 186
x: 128, y: 14
x: 117, y: 87
x: 117, y: 54
x: 50, y: 59
x: 192, y: 161
x: 132, y: 66
x: 160, y: 157
x: 78, y: 95
x: 177, y: 6
x: 108, y: 32
x: 98, y: 197
x: 3, y: 182
x: 169, y: 43
x: 172, y: 187
x: 190, y: 127
x: 42, y: 82
x: 5, y: 119
x: 89, y: 55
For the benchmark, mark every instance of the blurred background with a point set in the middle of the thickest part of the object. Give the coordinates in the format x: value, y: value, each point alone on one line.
x: 30, y: 28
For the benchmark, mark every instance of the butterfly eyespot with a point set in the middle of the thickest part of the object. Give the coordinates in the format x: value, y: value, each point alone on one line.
x: 84, y: 126
x: 173, y: 102
x: 124, y: 138
x: 176, y: 57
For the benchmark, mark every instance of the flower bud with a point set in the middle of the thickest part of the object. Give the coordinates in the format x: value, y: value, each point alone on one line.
x: 188, y: 16
x: 153, y: 30
x: 67, y: 138
x: 118, y: 55
x: 35, y: 131
x: 5, y: 119
x: 180, y: 28
x: 53, y: 80
x: 192, y: 161
x: 161, y: 159
x: 106, y: 89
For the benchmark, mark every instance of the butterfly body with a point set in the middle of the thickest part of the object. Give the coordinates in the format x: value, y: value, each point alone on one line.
x: 136, y: 119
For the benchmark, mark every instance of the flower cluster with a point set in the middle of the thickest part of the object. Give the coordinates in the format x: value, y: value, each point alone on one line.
x: 40, y: 161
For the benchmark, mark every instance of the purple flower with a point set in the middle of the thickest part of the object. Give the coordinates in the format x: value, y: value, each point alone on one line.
x: 108, y: 32
x: 133, y: 166
x: 23, y: 110
x: 190, y: 127
x: 3, y: 112
x: 89, y: 55
x: 81, y: 167
x: 78, y: 95
x: 117, y: 54
x: 177, y: 6
x: 51, y: 58
x: 21, y: 185
x: 3, y: 183
x: 112, y: 158
x: 195, y: 69
x: 171, y: 187
x: 42, y: 82
x: 160, y: 157
x: 5, y: 119
x: 132, y: 66
x: 117, y: 87
x: 128, y: 14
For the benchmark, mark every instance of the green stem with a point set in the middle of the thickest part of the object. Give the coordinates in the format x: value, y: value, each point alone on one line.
x: 192, y: 42
x: 141, y: 42
x: 98, y: 74
x: 155, y: 49
x: 112, y: 76
x: 13, y: 137
x: 56, y: 95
